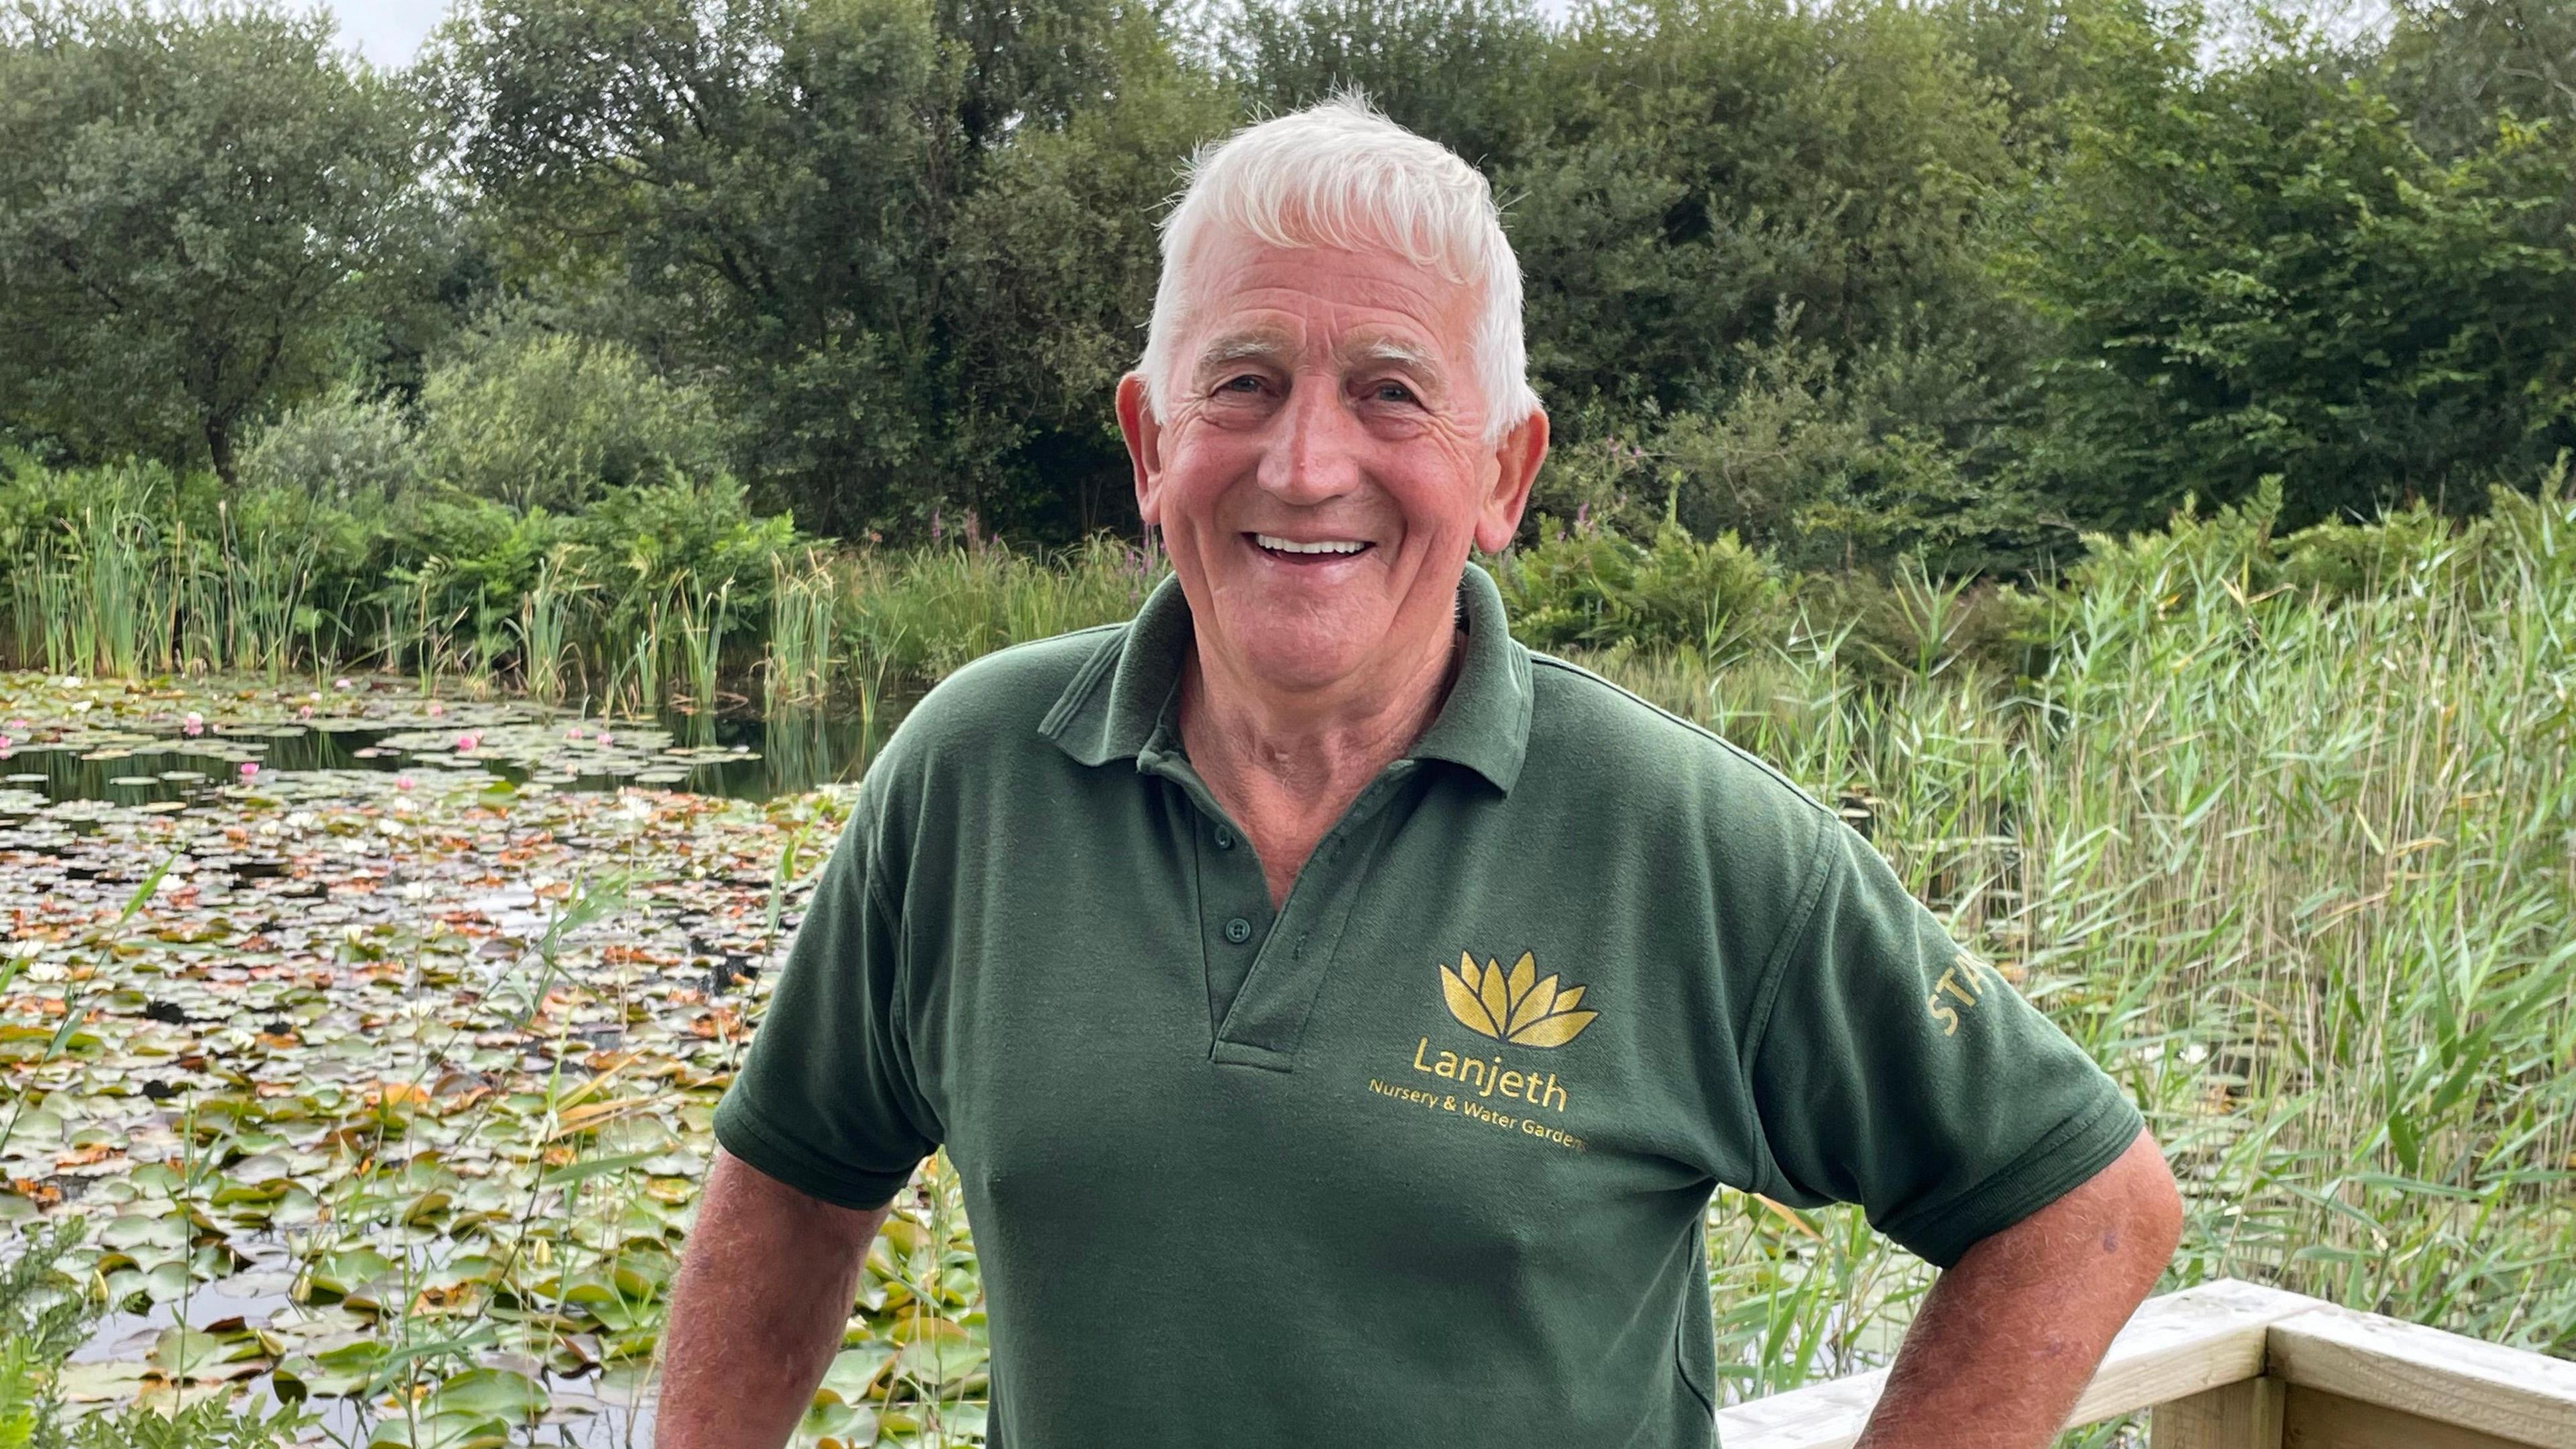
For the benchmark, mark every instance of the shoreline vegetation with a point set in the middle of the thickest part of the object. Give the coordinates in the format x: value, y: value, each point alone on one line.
x: 2277, y: 826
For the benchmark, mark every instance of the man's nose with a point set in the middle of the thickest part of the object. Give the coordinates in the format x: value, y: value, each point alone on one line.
x: 1314, y: 449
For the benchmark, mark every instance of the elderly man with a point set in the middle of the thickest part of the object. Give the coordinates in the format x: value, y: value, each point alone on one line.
x: 1339, y: 1015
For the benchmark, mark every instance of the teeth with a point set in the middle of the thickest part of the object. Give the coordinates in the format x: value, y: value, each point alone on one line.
x: 1288, y: 545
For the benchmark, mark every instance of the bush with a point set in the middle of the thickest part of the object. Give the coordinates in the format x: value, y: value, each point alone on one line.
x: 2340, y: 559
x: 703, y: 534
x: 1592, y: 588
x: 1913, y: 625
x: 544, y: 420
x: 342, y: 445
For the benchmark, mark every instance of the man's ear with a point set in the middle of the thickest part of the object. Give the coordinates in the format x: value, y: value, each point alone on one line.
x: 1517, y: 458
x: 1144, y: 436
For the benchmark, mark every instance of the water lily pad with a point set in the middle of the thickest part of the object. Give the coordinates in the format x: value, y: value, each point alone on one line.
x: 491, y: 1393
x: 99, y: 1383
x: 360, y: 1073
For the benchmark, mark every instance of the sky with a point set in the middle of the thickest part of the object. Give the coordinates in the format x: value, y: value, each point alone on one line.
x: 388, y: 32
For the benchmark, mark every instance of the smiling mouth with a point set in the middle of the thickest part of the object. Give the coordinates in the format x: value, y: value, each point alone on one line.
x: 1308, y: 551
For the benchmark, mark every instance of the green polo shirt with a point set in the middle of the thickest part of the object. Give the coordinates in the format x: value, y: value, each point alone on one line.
x: 1422, y: 1157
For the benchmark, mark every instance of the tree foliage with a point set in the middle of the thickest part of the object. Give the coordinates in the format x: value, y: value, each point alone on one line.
x: 2262, y: 271
x: 196, y: 210
x: 1852, y: 280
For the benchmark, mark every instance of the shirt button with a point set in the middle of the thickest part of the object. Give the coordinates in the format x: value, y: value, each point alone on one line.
x: 1238, y: 930
x: 1224, y: 838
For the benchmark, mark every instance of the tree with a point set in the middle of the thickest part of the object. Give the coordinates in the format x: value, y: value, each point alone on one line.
x: 2456, y: 65
x: 1053, y: 264
x: 2259, y: 271
x: 196, y: 208
x: 782, y: 179
x: 1466, y: 73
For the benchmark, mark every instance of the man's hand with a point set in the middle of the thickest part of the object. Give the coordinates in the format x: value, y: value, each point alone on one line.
x: 764, y: 1290
x: 2012, y: 1332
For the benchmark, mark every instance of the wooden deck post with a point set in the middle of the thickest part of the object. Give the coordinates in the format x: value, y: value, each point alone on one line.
x: 2244, y: 1415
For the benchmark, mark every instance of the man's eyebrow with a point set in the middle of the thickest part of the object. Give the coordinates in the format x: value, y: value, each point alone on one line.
x: 1265, y: 345
x: 1277, y: 347
x: 1401, y: 354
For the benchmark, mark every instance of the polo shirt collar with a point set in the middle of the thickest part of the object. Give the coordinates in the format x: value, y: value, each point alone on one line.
x: 1124, y: 701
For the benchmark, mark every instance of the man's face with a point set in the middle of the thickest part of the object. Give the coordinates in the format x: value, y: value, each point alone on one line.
x: 1321, y: 474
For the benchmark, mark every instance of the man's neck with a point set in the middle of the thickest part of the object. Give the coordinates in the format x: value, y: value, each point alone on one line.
x: 1286, y: 766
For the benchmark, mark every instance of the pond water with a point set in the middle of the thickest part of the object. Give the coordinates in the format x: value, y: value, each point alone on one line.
x: 733, y: 756
x: 352, y: 1021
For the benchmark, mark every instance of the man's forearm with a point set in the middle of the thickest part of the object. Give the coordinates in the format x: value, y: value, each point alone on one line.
x: 763, y: 1292
x: 2012, y: 1333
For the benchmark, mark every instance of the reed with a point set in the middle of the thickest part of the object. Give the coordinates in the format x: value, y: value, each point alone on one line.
x: 803, y: 600
x: 548, y: 616
x: 265, y: 579
x: 2294, y: 869
x: 919, y: 615
x: 701, y: 616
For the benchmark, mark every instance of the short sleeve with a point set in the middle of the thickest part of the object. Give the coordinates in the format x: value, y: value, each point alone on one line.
x: 1893, y: 1069
x: 825, y: 1100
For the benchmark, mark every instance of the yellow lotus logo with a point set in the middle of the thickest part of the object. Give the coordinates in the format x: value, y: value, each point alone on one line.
x: 1513, y: 1006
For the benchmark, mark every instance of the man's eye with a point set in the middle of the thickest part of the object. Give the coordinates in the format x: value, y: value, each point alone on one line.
x: 1392, y: 392
x: 1248, y: 382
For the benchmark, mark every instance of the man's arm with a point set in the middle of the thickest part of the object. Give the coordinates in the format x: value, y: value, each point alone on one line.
x: 764, y: 1291
x: 2013, y: 1331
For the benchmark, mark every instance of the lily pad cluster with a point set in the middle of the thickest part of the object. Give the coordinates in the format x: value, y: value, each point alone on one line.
x: 386, y: 1091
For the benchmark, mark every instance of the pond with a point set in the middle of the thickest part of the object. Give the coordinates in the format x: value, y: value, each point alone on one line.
x: 734, y: 756
x: 375, y: 1038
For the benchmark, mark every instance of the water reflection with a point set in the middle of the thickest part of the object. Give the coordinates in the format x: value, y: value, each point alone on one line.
x: 180, y: 768
x: 781, y: 754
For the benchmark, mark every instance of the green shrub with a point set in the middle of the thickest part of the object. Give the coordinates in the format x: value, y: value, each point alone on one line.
x: 2338, y: 559
x: 1591, y: 588
x: 342, y: 445
x: 545, y: 420
x: 676, y: 528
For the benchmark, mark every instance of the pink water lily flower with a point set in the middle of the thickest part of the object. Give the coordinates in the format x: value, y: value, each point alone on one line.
x: 574, y: 733
x: 603, y: 737
x: 339, y: 684
x: 466, y: 742
x: 304, y: 711
x: 436, y: 709
x: 402, y: 782
x: 194, y: 725
x: 249, y: 771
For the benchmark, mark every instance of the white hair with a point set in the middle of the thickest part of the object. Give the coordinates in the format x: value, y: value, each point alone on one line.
x: 1340, y: 174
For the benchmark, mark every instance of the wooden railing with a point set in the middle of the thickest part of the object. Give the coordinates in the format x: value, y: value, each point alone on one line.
x: 2232, y: 1365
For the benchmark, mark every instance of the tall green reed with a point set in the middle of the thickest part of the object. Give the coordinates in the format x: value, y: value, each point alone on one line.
x: 549, y: 614
x: 803, y: 600
x: 2293, y: 864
